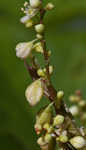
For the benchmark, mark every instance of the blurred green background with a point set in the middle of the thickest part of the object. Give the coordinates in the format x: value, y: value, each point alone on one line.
x: 66, y: 37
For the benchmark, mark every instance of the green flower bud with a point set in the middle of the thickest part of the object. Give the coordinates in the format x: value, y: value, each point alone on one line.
x: 49, y: 6
x: 34, y: 92
x: 50, y: 69
x: 45, y: 115
x: 35, y: 3
x: 82, y: 103
x: 51, y: 129
x: 58, y: 120
x: 39, y: 36
x: 39, y: 28
x: 40, y: 72
x: 78, y: 142
x: 74, y: 98
x: 60, y: 94
x: 63, y: 138
x: 74, y: 110
x: 38, y: 47
x: 46, y: 126
x: 29, y: 23
x: 47, y: 138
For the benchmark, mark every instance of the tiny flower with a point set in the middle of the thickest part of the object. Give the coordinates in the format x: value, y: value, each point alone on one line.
x: 58, y: 120
x: 38, y: 47
x: 38, y: 128
x: 23, y: 50
x: 78, y: 142
x: 63, y: 138
x: 46, y: 126
x: 74, y: 110
x: 60, y: 94
x: 34, y: 92
x: 29, y: 14
x: 39, y: 28
x: 35, y: 3
x: 49, y: 6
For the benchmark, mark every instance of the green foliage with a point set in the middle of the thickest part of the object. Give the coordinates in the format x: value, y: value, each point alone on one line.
x: 66, y: 37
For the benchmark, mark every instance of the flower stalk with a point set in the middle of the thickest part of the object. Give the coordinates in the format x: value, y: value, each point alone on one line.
x: 53, y: 128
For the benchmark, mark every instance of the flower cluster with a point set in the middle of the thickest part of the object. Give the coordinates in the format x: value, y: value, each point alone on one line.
x: 54, y: 123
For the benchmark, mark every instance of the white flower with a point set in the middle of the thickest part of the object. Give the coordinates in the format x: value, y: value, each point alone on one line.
x: 35, y: 3
x: 78, y: 142
x: 34, y: 92
x: 23, y: 50
x: 29, y: 13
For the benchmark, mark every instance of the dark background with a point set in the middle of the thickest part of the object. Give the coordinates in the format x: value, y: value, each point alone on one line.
x: 66, y: 37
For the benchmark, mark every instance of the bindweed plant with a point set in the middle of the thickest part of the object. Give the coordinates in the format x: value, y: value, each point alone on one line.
x: 55, y: 123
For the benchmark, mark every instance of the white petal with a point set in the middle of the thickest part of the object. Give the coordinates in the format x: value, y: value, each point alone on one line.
x: 24, y: 19
x: 23, y: 50
x: 34, y: 92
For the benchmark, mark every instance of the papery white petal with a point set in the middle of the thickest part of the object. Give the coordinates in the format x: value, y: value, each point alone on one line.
x: 23, y: 50
x: 34, y: 92
x: 24, y: 19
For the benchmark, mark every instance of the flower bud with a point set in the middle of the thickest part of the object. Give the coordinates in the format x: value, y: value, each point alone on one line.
x: 60, y: 94
x: 50, y: 130
x: 74, y: 110
x: 82, y: 103
x: 58, y: 120
x: 47, y: 138
x: 39, y: 28
x: 23, y: 50
x: 39, y: 36
x: 34, y: 92
x: 35, y: 3
x: 46, y: 126
x: 38, y: 128
x: 29, y: 23
x: 74, y: 98
x: 40, y: 72
x: 38, y: 47
x: 45, y: 115
x: 78, y: 142
x: 63, y: 138
x: 49, y: 6
x: 50, y: 69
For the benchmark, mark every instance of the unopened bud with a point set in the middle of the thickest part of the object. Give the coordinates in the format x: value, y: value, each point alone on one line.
x: 46, y: 126
x: 39, y: 36
x: 38, y: 47
x: 47, y: 138
x: 29, y: 23
x: 78, y: 142
x: 82, y: 103
x: 60, y: 94
x: 34, y: 92
x: 40, y: 72
x: 50, y: 69
x: 63, y: 138
x: 74, y: 110
x: 58, y: 120
x: 39, y: 28
x: 49, y: 6
x: 35, y: 3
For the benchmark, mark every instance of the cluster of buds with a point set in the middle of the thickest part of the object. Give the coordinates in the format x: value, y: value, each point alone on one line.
x: 53, y: 122
x: 78, y: 109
